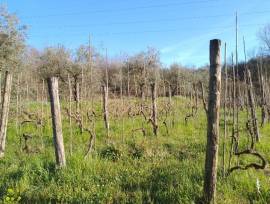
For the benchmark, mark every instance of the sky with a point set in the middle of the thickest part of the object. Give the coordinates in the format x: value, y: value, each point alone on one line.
x: 180, y: 30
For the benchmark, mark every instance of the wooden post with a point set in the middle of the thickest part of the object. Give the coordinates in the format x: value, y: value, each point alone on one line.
x: 233, y: 147
x: 211, y: 159
x: 154, y: 108
x: 225, y: 112
x: 128, y: 80
x: 196, y: 97
x: 142, y: 91
x: 122, y: 102
x: 82, y: 85
x: 164, y: 85
x: 170, y: 94
x: 5, y: 111
x: 56, y: 121
x: 17, y: 105
x: 37, y: 91
x: 252, y: 107
x: 135, y: 85
x: 69, y: 117
x: 42, y: 112
x: 3, y: 38
x: 77, y: 95
x: 105, y: 108
x: 203, y: 98
x: 245, y: 79
x: 263, y: 100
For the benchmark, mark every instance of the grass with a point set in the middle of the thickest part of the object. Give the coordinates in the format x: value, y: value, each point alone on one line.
x: 131, y: 168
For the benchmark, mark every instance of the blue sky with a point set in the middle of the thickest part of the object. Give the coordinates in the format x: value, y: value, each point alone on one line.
x: 180, y: 30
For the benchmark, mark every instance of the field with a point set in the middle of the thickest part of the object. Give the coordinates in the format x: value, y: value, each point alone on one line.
x: 128, y: 167
x: 153, y: 102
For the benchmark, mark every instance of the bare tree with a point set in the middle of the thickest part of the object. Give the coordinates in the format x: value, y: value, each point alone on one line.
x: 264, y: 36
x: 12, y: 40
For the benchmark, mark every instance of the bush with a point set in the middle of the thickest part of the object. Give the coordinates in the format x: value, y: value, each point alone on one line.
x: 111, y: 153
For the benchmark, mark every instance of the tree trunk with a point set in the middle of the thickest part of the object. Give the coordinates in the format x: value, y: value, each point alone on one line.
x: 211, y: 159
x: 4, y: 114
x: 56, y: 121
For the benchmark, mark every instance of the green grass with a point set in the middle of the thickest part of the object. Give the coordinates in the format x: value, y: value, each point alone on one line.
x: 131, y: 169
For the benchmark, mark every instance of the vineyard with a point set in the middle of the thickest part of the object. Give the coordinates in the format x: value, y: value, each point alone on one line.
x: 79, y: 127
x: 131, y: 168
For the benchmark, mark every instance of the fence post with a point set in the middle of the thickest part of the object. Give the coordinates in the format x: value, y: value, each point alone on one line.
x: 154, y: 108
x: 105, y: 95
x: 4, y: 113
x: 56, y: 121
x: 211, y: 159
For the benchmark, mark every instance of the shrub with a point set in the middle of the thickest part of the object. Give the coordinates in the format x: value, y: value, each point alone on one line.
x: 110, y: 152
